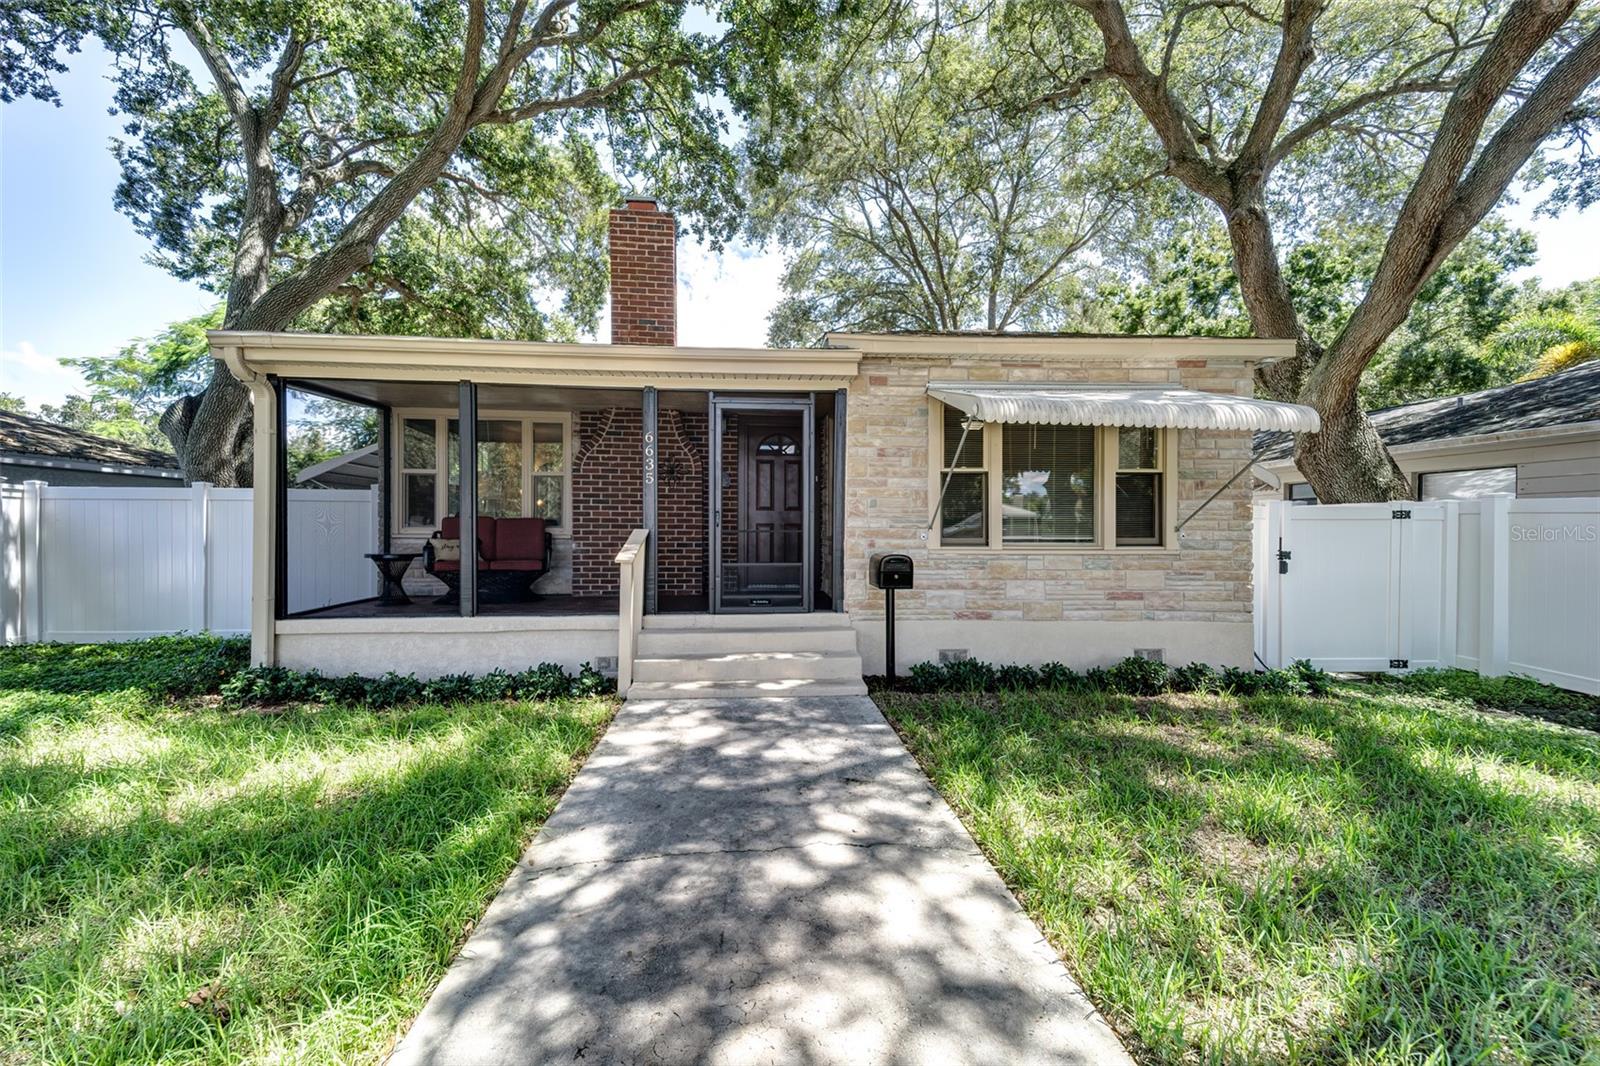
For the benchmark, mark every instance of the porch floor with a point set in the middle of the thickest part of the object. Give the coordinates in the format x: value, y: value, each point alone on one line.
x: 545, y: 606
x: 426, y: 607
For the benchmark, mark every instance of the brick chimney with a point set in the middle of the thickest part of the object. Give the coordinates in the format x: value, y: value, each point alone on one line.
x: 644, y: 273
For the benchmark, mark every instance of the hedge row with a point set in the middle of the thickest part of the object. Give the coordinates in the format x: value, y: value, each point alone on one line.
x: 259, y: 685
x: 1131, y: 677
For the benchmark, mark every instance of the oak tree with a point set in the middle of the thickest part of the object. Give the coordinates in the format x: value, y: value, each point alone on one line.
x: 440, y: 166
x: 1282, y: 116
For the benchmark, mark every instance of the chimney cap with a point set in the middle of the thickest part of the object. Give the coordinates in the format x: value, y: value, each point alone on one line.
x: 640, y: 202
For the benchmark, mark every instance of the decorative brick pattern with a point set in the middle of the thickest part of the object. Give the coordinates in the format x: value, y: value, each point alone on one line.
x: 1207, y: 579
x: 608, y: 498
x: 683, y: 465
x: 644, y: 274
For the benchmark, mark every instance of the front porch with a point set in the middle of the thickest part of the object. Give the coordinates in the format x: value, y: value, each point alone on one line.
x: 727, y: 463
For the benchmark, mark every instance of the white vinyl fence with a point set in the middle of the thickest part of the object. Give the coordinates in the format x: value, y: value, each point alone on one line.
x: 103, y: 563
x: 1497, y: 585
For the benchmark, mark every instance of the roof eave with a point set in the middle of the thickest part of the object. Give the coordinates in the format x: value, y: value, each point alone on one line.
x: 311, y: 355
x: 1253, y: 350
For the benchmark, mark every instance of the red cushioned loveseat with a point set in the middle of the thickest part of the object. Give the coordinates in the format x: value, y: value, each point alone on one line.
x: 513, y: 553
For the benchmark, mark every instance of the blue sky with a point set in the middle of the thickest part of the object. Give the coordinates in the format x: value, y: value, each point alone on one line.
x: 73, y: 280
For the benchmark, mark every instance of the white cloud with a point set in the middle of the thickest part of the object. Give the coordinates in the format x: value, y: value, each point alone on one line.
x: 37, y: 378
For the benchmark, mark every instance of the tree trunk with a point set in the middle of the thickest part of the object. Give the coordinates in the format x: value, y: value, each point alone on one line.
x: 1346, y: 462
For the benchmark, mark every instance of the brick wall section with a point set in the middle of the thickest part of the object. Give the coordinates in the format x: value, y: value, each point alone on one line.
x: 607, y: 495
x: 608, y: 498
x: 1207, y: 579
x: 644, y: 274
x: 681, y: 520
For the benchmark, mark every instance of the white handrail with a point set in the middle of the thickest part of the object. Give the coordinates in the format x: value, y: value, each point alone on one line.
x: 630, y: 605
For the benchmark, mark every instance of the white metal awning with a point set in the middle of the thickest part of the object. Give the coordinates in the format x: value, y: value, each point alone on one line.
x: 1121, y: 405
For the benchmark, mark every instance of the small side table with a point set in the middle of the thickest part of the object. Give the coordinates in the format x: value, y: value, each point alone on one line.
x: 392, y: 567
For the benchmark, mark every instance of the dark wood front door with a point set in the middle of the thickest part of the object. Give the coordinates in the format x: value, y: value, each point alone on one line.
x: 770, y: 565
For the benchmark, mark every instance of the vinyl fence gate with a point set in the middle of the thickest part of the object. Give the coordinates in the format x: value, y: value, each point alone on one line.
x: 1497, y: 585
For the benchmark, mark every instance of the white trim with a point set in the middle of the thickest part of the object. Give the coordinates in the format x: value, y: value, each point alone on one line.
x: 1232, y: 349
x: 441, y: 417
x: 450, y: 359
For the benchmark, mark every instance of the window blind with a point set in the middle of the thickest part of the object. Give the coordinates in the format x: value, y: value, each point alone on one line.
x: 1048, y: 483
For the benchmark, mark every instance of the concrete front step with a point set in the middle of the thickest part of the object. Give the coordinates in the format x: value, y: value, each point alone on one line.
x: 728, y: 690
x: 763, y: 666
x: 795, y: 620
x: 667, y: 643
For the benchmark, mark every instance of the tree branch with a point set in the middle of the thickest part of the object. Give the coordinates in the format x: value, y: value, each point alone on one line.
x: 1294, y: 55
x: 1166, y: 114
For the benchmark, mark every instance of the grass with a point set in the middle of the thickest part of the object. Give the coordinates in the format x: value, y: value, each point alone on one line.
x: 1379, y: 876
x: 181, y: 882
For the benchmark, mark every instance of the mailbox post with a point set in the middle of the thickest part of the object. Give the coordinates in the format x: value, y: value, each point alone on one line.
x: 889, y: 571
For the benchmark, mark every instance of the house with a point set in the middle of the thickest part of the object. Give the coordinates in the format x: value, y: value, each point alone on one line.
x: 1531, y: 438
x: 711, y: 511
x: 359, y: 468
x: 32, y: 449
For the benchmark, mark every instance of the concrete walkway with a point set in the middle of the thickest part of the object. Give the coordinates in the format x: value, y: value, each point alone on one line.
x: 754, y: 881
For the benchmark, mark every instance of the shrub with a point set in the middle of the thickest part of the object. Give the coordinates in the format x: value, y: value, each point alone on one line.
x: 1130, y: 677
x: 272, y: 685
x: 1317, y: 680
x: 1196, y: 677
x: 1059, y: 676
x: 1015, y: 677
x: 1134, y: 676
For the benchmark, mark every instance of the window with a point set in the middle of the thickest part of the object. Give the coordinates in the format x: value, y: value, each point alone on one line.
x: 964, y: 514
x: 1139, y: 492
x: 419, y: 466
x: 1469, y: 484
x: 522, y: 468
x: 1047, y: 475
x: 778, y: 444
x: 1014, y: 485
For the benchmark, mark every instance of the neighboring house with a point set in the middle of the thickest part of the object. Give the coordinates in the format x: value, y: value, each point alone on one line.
x: 1072, y: 498
x: 32, y: 449
x: 1532, y: 438
x: 357, y: 469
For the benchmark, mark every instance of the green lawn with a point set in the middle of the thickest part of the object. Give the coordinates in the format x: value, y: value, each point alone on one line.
x: 1378, y: 876
x: 182, y: 882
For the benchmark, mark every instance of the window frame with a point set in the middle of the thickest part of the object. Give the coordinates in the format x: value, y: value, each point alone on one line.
x: 984, y: 469
x: 441, y: 417
x: 1105, y: 472
x: 1159, y: 470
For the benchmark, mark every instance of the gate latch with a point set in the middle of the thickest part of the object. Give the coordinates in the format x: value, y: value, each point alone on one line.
x: 1283, y: 561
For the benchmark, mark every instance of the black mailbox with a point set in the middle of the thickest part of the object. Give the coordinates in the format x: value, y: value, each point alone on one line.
x: 891, y: 570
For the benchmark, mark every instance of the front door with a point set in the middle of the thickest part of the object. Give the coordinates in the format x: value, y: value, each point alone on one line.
x: 764, y: 543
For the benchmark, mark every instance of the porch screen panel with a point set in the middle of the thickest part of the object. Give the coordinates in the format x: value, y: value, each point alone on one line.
x: 499, y: 468
x: 963, y: 516
x: 1047, y: 484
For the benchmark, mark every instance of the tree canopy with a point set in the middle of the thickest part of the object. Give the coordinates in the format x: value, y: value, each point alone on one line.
x: 441, y: 167
x: 906, y: 200
x: 1295, y: 117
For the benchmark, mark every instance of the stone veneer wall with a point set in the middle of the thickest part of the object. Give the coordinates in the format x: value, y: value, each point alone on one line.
x: 1207, y: 580
x: 608, y: 498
